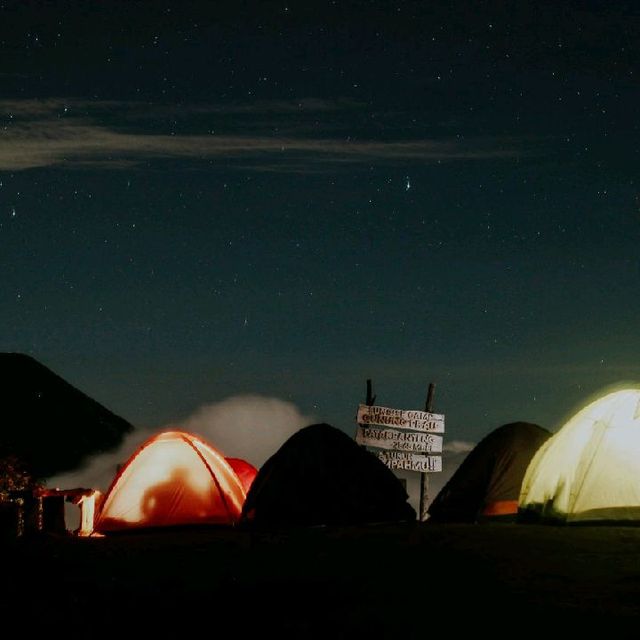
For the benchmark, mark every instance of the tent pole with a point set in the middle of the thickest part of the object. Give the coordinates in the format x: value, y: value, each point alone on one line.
x: 424, y: 477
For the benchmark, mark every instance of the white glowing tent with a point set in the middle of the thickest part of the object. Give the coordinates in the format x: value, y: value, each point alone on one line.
x: 590, y: 469
x: 174, y: 478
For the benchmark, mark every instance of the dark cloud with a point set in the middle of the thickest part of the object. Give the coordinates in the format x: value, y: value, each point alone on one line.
x: 58, y: 132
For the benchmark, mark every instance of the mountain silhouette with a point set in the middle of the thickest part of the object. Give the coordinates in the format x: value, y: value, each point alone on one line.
x: 48, y: 424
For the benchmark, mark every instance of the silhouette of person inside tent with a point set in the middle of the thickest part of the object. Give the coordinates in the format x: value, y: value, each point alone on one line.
x: 175, y: 501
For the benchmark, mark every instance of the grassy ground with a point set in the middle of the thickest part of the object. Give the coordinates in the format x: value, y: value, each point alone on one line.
x: 400, y: 581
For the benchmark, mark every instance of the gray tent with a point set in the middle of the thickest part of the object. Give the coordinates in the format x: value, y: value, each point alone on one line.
x: 487, y: 483
x: 321, y: 476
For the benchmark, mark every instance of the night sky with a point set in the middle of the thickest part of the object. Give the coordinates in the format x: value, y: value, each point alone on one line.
x: 202, y: 199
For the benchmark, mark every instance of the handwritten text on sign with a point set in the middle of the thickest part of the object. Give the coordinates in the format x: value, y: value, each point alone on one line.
x: 411, y: 461
x: 400, y: 440
x: 402, y: 419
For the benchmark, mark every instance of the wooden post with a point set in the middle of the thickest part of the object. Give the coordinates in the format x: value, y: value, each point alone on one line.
x: 424, y: 477
x: 371, y: 399
x: 430, y: 393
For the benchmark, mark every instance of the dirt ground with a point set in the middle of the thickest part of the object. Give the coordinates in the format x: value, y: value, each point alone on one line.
x: 403, y: 581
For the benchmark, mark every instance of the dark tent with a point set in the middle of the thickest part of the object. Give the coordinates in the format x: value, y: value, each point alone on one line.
x: 487, y: 483
x: 47, y: 424
x: 321, y: 476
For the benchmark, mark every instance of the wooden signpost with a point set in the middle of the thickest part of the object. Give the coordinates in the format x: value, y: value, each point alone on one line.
x: 390, y: 439
x: 404, y: 449
x: 415, y: 420
x: 410, y: 461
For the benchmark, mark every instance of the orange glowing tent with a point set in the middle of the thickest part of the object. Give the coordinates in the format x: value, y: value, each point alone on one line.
x: 174, y: 478
x: 244, y: 470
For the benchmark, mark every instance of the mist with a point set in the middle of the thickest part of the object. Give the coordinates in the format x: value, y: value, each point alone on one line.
x: 250, y: 427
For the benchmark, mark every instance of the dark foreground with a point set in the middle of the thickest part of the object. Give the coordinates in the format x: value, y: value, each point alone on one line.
x: 404, y: 581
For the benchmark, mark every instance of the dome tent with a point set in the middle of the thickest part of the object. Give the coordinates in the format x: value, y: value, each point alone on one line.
x: 321, y: 476
x: 487, y: 484
x: 174, y: 478
x: 589, y: 471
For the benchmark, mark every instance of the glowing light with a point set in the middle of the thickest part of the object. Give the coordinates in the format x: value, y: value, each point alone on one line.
x: 87, y: 506
x: 174, y: 478
x: 590, y: 469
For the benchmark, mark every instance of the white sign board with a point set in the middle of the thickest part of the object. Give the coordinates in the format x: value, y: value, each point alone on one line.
x: 399, y: 440
x: 401, y: 419
x: 411, y: 461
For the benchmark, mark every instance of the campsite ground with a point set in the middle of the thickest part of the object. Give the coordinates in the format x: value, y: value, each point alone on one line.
x: 376, y: 581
